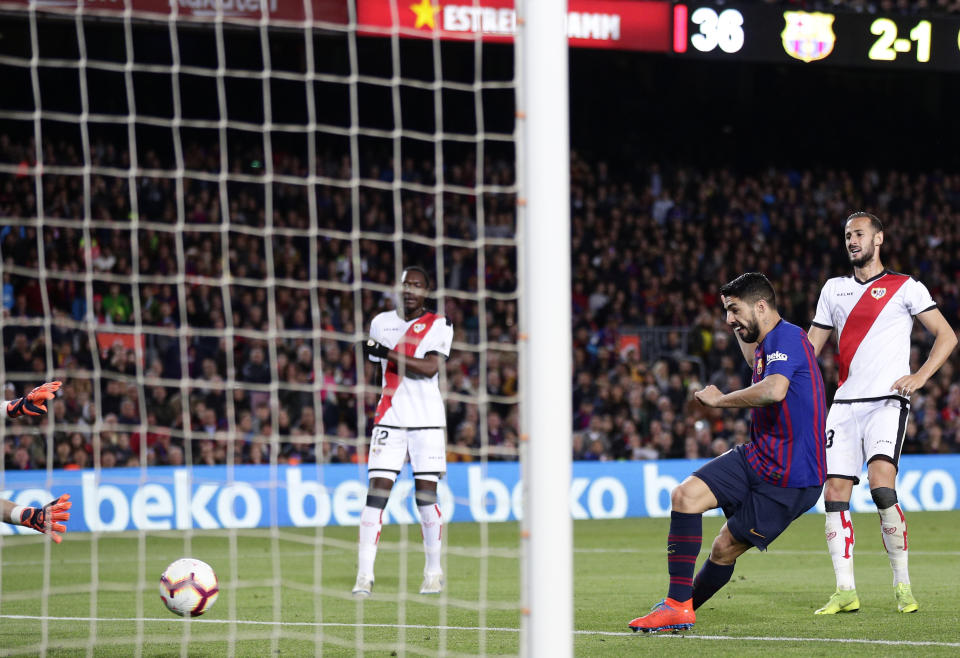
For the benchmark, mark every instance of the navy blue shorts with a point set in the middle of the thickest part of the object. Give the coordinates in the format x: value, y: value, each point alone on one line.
x: 757, y: 512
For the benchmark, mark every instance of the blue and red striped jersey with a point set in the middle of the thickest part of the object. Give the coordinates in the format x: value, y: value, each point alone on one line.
x: 789, y: 438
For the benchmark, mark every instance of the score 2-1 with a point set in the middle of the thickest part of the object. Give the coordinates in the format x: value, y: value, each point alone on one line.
x: 888, y: 46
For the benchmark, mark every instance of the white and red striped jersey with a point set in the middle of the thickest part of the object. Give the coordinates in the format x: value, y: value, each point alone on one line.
x: 411, y: 401
x: 873, y: 320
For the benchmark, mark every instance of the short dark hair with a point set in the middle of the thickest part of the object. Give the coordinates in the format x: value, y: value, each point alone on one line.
x: 874, y: 220
x: 751, y: 287
x: 417, y: 268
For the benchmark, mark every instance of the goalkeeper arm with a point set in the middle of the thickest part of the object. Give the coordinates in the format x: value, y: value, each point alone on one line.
x: 33, y: 403
x: 44, y: 519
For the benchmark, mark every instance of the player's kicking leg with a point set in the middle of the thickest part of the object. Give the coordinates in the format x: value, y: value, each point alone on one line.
x: 675, y: 613
x: 716, y: 571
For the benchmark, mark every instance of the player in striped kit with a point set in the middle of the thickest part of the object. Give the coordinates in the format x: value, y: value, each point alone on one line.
x: 761, y: 486
x: 872, y: 313
x: 411, y: 344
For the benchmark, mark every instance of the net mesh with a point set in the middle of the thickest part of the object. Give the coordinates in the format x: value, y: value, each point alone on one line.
x: 202, y: 208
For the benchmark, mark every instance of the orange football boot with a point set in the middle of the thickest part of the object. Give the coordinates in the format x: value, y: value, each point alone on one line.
x: 668, y: 615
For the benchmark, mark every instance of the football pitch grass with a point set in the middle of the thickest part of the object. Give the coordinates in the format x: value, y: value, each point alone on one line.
x: 620, y: 571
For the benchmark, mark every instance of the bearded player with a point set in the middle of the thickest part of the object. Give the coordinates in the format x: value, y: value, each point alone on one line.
x: 763, y: 485
x: 411, y: 344
x: 872, y: 313
x: 46, y: 519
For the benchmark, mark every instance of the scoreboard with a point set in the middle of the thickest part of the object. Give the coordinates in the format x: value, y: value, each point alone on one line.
x: 734, y: 30
x: 770, y: 34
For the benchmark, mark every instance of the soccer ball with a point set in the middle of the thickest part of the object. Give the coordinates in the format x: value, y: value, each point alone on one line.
x: 189, y: 587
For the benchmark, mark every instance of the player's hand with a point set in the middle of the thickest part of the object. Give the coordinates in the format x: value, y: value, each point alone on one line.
x: 708, y: 397
x: 373, y: 348
x: 908, y: 384
x: 47, y: 519
x: 34, y: 402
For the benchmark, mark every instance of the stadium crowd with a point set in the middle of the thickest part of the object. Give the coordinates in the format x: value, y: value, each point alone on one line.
x: 225, y: 367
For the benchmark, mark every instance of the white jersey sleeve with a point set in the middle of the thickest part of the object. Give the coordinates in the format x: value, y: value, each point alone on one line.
x: 917, y: 298
x: 824, y: 316
x: 439, y: 339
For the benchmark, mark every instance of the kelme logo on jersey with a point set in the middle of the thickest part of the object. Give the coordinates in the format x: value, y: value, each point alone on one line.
x: 878, y: 293
x: 776, y: 356
x: 808, y: 37
x: 418, y: 327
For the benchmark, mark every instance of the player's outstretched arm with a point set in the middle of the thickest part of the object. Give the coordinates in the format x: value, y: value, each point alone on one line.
x: 769, y: 390
x: 945, y: 340
x: 46, y: 519
x: 33, y: 403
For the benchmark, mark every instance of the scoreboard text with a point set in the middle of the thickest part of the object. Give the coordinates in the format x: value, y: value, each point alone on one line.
x: 748, y: 32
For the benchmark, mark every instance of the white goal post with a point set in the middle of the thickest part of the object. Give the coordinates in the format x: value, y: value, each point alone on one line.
x: 546, y: 343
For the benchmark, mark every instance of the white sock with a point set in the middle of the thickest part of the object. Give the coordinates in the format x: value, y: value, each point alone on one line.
x: 840, y: 541
x: 431, y: 526
x: 893, y: 531
x: 371, y: 522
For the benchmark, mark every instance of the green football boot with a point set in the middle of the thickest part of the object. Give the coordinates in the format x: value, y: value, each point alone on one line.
x: 845, y: 601
x: 905, y: 600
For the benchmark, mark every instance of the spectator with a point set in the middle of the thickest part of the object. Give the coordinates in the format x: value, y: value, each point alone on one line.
x: 629, y: 402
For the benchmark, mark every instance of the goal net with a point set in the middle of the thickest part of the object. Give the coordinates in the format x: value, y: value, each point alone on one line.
x: 203, y: 204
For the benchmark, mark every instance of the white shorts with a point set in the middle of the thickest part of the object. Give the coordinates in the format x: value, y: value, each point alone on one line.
x: 859, y: 432
x: 390, y: 446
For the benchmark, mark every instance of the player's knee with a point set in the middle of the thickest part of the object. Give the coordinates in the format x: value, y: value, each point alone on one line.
x: 884, y: 497
x: 881, y: 472
x: 682, y: 499
x: 724, y: 550
x: 426, y: 498
x: 378, y: 491
x: 376, y: 501
x: 837, y: 489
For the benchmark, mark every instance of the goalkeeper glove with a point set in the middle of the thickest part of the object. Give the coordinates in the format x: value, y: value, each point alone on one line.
x: 373, y: 348
x: 45, y: 519
x: 34, y: 402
